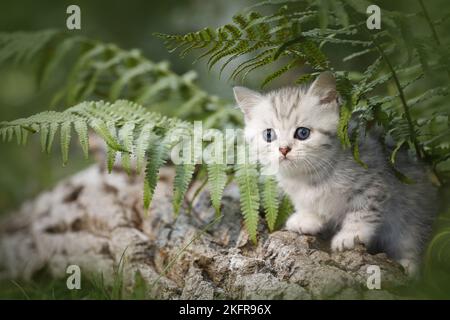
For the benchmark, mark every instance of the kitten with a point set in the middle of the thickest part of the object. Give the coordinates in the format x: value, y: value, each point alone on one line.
x: 295, y: 129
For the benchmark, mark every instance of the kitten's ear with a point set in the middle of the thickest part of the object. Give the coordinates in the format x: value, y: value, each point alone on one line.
x: 324, y: 87
x: 246, y: 99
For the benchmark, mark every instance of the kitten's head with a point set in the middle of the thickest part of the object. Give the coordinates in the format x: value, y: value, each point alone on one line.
x: 294, y: 128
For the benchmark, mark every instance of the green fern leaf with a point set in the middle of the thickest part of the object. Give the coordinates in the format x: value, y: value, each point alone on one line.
x: 23, y: 46
x: 217, y: 179
x: 266, y: 55
x: 111, y: 153
x: 341, y: 13
x: 24, y: 136
x: 142, y: 144
x: 150, y: 92
x: 285, y: 209
x: 314, y: 55
x: 344, y: 119
x: 126, y: 136
x: 82, y: 130
x: 18, y: 134
x: 51, y: 136
x: 270, y: 201
x: 183, y: 177
x: 281, y: 71
x: 66, y: 128
x: 247, y: 179
x: 395, y: 151
x: 127, y: 77
x: 44, y: 136
x: 100, y: 127
x: 157, y: 156
x: 74, y: 86
x: 9, y: 133
x: 60, y: 53
x: 304, y: 79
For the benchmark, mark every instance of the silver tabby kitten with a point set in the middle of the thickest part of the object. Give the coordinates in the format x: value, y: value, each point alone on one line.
x: 296, y: 131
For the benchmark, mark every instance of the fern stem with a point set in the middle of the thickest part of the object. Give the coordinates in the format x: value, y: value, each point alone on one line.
x: 431, y: 25
x: 196, y: 194
x: 412, y: 132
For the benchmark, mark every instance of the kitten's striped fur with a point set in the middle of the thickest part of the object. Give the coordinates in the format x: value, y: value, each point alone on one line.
x: 329, y: 189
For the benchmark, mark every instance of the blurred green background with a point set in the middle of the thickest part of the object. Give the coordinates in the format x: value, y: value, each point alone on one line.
x: 24, y: 172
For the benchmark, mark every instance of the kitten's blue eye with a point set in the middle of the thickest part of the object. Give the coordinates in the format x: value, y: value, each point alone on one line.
x: 269, y: 135
x: 302, y: 133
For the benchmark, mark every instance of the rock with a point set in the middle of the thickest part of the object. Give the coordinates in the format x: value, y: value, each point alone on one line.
x: 96, y: 220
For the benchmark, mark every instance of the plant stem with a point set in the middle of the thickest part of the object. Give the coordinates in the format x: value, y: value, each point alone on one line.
x: 412, y: 132
x: 430, y: 23
x: 197, y: 192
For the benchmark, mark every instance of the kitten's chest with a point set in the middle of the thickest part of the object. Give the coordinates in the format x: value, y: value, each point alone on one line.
x: 323, y: 200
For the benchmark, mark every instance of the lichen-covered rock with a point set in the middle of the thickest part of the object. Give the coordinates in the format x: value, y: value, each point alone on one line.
x: 96, y: 220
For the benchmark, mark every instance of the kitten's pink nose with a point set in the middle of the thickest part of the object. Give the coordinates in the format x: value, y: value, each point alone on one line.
x: 284, y: 150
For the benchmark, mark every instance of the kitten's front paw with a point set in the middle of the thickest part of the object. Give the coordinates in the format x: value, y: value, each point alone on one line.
x: 304, y: 224
x: 346, y: 240
x: 410, y: 266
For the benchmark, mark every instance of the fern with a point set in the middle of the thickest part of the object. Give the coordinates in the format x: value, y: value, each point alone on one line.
x: 116, y: 124
x: 270, y: 201
x: 183, y: 176
x: 217, y: 178
x: 23, y: 46
x: 93, y: 70
x: 293, y: 37
x: 247, y: 179
x: 144, y: 139
x: 126, y: 135
x: 285, y: 209
x: 157, y: 156
x: 66, y: 128
x: 250, y: 33
x: 130, y: 132
x: 303, y: 32
x: 105, y: 119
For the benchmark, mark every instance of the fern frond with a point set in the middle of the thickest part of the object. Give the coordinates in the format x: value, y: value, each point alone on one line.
x: 60, y: 53
x: 24, y: 46
x: 183, y: 177
x: 66, y: 128
x: 247, y: 179
x: 126, y: 135
x: 43, y: 137
x: 217, y: 179
x: 344, y: 120
x: 94, y: 70
x: 144, y: 139
x: 103, y: 130
x: 157, y: 156
x: 266, y: 54
x: 81, y: 128
x: 103, y: 118
x: 183, y: 171
x: 285, y: 209
x: 249, y: 33
x: 270, y: 201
